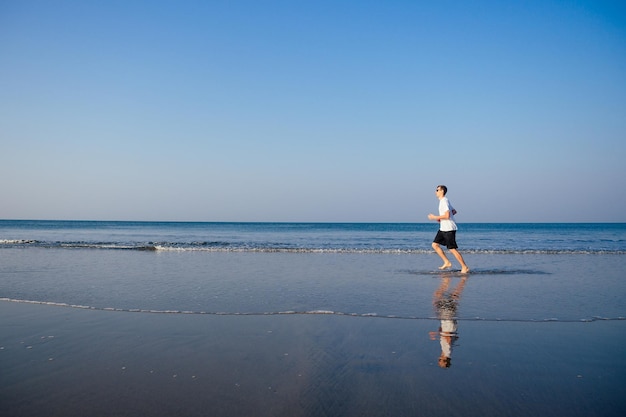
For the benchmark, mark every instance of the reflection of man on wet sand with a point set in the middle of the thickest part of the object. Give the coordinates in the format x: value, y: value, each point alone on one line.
x: 446, y: 303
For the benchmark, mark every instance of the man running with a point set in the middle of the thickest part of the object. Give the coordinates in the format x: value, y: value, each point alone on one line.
x: 447, y: 230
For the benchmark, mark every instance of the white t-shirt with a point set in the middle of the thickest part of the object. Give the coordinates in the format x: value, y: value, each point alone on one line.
x: 450, y: 224
x: 448, y: 329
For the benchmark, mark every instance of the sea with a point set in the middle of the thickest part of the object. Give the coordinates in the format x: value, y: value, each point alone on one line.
x: 408, y: 238
x: 375, y: 269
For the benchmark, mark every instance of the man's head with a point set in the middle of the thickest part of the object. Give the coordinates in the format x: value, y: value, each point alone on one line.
x: 444, y: 361
x: 442, y: 188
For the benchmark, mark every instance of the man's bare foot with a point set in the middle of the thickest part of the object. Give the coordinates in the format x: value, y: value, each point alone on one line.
x: 465, y: 270
x: 446, y: 266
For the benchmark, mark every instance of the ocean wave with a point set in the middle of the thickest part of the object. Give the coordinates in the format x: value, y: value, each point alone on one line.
x: 255, y: 247
x: 308, y: 312
x: 17, y: 242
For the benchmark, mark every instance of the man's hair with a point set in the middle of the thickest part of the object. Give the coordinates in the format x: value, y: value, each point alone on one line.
x: 444, y: 188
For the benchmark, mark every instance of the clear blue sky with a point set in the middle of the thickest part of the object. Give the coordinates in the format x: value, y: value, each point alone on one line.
x: 313, y: 110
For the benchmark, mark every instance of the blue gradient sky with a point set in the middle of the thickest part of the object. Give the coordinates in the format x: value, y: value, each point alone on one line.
x: 313, y: 110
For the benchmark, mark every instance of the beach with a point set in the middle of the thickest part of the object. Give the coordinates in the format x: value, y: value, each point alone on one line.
x: 108, y: 328
x: 64, y: 361
x: 253, y: 208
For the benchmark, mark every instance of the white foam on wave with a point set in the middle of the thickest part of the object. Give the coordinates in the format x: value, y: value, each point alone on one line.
x: 16, y: 241
x: 320, y: 312
x: 251, y: 247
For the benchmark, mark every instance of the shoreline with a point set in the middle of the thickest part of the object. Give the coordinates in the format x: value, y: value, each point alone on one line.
x: 301, y: 313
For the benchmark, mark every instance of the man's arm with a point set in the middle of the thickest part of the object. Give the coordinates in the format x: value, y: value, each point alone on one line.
x: 445, y: 216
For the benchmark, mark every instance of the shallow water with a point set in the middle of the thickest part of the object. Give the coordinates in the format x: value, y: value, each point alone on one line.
x: 500, y: 287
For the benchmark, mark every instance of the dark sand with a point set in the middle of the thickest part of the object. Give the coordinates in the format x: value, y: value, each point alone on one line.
x: 60, y: 361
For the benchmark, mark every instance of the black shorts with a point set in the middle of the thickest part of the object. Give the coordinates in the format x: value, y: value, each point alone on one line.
x: 446, y: 238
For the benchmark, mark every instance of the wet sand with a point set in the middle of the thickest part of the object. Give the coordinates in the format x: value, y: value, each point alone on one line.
x: 59, y: 361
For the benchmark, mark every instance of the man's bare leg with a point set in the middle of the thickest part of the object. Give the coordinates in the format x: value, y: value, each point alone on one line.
x: 459, y: 257
x: 444, y: 258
